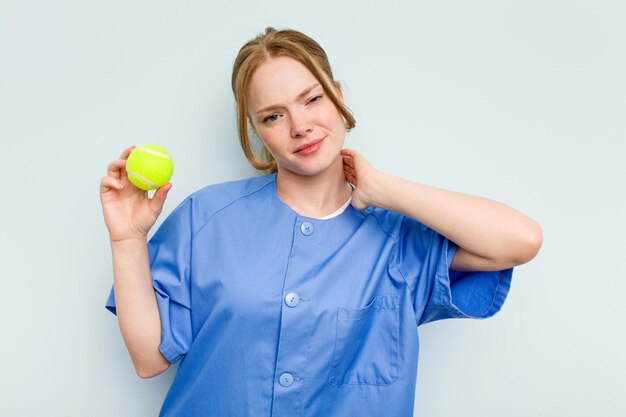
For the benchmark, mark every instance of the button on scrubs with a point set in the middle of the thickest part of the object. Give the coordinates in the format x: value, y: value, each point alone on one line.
x: 272, y: 313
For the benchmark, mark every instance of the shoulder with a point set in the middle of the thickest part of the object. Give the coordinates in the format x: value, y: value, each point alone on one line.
x: 217, y: 196
x: 225, y: 192
x: 204, y: 203
x: 396, y: 225
x: 388, y: 221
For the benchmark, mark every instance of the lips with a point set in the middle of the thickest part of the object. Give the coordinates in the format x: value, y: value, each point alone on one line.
x: 308, y: 145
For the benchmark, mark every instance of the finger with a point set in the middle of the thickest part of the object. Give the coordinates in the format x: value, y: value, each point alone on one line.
x: 116, y: 165
x: 349, y: 167
x: 348, y: 160
x: 163, y: 191
x: 351, y: 179
x: 124, y: 156
x: 117, y: 169
x: 127, y: 152
x: 158, y: 199
x: 109, y: 183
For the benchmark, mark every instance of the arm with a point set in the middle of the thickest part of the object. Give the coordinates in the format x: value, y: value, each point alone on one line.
x: 490, y: 234
x: 129, y: 214
x: 137, y: 312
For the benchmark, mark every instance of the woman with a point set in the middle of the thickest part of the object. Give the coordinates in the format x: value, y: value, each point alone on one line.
x: 297, y: 292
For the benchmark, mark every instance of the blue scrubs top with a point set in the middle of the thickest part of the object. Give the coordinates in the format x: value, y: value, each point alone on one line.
x: 277, y: 314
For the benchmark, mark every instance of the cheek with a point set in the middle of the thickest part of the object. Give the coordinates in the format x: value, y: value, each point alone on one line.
x: 270, y: 137
x: 337, y: 123
x: 333, y: 117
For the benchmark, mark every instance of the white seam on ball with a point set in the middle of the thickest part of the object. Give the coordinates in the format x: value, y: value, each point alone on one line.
x: 150, y: 183
x: 153, y: 152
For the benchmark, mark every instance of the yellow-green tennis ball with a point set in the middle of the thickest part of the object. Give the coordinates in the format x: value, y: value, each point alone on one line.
x: 149, y: 167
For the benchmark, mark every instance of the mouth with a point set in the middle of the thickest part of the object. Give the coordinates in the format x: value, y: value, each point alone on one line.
x: 309, y: 145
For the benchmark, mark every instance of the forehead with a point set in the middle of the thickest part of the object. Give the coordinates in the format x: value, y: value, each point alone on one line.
x: 278, y: 80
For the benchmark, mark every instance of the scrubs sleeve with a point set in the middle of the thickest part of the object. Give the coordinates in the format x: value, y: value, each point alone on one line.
x: 424, y: 258
x: 169, y: 254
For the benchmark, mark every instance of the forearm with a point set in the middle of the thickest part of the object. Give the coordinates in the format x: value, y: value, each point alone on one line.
x: 484, y: 227
x: 137, y: 311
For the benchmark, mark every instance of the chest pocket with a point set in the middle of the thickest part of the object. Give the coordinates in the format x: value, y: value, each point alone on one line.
x: 367, y: 344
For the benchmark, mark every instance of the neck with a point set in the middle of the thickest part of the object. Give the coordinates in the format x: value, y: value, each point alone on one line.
x: 314, y: 196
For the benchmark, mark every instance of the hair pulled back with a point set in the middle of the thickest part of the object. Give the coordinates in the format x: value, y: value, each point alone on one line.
x: 274, y: 43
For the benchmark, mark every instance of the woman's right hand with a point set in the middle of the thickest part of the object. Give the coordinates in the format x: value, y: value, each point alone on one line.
x: 128, y: 212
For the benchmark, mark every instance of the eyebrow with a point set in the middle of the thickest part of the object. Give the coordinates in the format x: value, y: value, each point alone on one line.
x: 299, y: 97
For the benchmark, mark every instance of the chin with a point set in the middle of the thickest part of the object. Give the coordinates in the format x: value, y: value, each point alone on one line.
x: 309, y: 170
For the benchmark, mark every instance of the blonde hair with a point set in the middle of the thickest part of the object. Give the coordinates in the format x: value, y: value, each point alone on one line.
x: 274, y: 43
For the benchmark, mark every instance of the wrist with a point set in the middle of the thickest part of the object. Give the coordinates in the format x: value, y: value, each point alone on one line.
x: 376, y: 189
x: 129, y: 243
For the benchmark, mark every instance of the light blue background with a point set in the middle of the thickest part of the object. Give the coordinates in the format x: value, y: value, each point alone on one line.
x: 522, y: 102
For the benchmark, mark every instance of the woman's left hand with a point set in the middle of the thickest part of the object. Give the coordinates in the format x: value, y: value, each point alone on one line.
x: 359, y: 172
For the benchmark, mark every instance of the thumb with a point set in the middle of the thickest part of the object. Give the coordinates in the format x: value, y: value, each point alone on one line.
x: 159, y: 197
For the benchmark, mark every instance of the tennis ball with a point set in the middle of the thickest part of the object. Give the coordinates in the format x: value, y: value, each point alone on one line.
x: 149, y: 166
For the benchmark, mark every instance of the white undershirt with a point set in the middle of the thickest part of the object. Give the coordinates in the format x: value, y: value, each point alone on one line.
x: 340, y: 210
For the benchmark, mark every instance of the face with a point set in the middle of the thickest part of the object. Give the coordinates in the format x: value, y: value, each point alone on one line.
x: 289, y: 109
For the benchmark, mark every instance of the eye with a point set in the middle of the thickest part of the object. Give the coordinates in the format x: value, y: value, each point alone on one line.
x: 316, y: 98
x: 271, y: 118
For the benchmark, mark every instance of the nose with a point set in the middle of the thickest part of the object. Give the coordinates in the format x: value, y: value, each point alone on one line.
x: 300, y: 124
